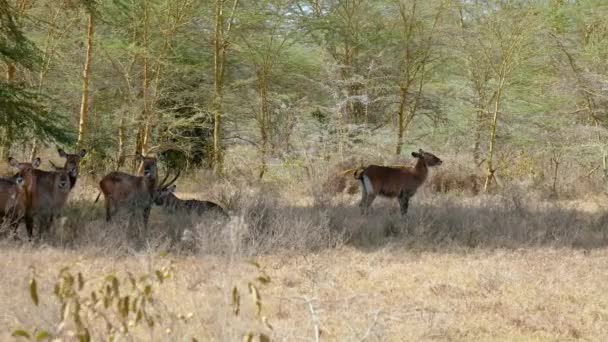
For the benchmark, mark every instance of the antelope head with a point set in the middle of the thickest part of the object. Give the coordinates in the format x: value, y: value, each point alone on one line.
x: 72, y: 161
x: 428, y: 158
x: 24, y: 170
x: 148, y: 166
x: 63, y: 177
x: 163, y: 193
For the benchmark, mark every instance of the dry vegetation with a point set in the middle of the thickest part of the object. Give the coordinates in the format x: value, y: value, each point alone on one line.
x: 515, y: 264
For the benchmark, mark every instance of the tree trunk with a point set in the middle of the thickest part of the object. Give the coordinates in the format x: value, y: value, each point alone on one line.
x: 401, y: 126
x: 7, y: 139
x: 144, y: 118
x: 120, y: 155
x: 263, y: 119
x: 477, y: 138
x: 490, y: 162
x: 218, y: 95
x: 86, y: 74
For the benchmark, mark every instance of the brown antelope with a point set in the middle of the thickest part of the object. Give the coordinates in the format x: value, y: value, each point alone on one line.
x: 134, y: 192
x: 72, y: 164
x: 165, y: 197
x: 400, y: 182
x: 47, y: 193
x: 12, y: 201
x: 25, y: 172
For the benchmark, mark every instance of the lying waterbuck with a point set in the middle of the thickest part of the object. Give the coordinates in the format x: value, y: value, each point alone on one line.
x: 123, y: 190
x: 47, y: 192
x: 166, y: 198
x: 400, y: 182
x: 13, y: 200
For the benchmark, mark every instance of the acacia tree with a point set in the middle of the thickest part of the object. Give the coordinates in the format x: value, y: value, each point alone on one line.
x: 416, y: 27
x: 86, y: 72
x: 503, y: 45
x: 265, y: 36
x: 24, y: 111
x: 578, y: 31
x: 221, y: 40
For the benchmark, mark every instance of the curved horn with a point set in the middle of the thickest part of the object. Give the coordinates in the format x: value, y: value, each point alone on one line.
x: 164, y: 185
x: 55, y: 166
x: 157, y: 149
x: 174, y: 178
x: 162, y: 182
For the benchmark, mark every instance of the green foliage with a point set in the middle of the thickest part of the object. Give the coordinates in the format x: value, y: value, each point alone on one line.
x: 121, y: 304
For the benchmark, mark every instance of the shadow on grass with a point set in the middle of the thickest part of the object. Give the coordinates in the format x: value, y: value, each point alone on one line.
x: 262, y: 225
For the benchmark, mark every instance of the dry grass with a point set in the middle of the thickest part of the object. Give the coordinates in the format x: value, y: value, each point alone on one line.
x: 507, y: 266
x: 387, y: 294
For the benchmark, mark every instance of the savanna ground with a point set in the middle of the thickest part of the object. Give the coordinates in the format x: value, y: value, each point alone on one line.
x: 515, y: 264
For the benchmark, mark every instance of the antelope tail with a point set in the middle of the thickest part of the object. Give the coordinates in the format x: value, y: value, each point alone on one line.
x: 358, y: 174
x: 98, y: 195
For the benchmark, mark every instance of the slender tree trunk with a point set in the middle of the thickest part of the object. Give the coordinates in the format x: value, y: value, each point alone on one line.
x: 477, y: 137
x: 401, y: 113
x: 490, y: 162
x: 120, y: 155
x: 86, y: 75
x: 7, y: 139
x: 263, y: 117
x: 144, y: 118
x: 218, y: 96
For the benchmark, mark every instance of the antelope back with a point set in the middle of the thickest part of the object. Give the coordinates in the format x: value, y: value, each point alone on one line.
x: 120, y: 187
x: 72, y: 163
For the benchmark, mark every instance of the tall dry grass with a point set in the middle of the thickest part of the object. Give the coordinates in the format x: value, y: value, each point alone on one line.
x: 500, y: 266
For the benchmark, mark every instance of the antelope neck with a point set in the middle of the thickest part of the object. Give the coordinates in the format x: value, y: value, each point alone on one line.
x: 421, y: 169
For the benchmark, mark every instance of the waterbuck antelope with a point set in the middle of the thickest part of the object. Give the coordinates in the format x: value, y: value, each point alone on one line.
x: 400, y: 182
x: 123, y: 190
x: 165, y: 197
x: 47, y: 192
x: 13, y: 200
x: 72, y: 164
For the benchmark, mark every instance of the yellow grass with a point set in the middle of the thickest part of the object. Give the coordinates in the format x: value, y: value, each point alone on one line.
x: 536, y: 294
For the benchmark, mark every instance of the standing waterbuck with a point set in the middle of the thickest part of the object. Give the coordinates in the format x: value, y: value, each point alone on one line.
x: 47, y: 192
x: 13, y: 196
x: 400, y: 182
x: 123, y: 190
x: 166, y: 198
x: 72, y: 164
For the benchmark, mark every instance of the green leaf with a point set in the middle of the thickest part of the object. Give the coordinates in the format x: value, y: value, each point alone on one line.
x: 85, y: 336
x: 80, y: 281
x: 20, y: 333
x: 34, y: 291
x: 159, y: 276
x: 43, y: 335
x: 254, y: 263
x: 264, y: 279
x: 236, y: 301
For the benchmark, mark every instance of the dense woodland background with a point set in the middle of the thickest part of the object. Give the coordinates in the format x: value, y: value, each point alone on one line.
x: 510, y: 88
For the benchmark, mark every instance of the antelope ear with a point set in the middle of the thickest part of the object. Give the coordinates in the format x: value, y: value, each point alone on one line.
x: 83, y: 153
x: 61, y: 152
x: 420, y: 151
x: 172, y: 188
x: 36, y: 162
x: 13, y: 162
x: 138, y: 156
x: 416, y: 155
